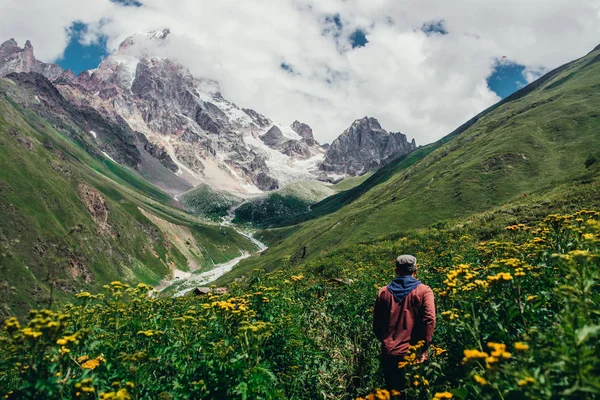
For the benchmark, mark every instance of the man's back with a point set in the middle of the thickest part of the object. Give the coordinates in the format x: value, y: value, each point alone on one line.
x: 399, y: 324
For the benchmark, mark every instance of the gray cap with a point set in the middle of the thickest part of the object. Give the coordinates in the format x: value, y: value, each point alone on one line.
x: 406, y: 260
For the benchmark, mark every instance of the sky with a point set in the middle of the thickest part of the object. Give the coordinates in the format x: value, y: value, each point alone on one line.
x: 421, y: 67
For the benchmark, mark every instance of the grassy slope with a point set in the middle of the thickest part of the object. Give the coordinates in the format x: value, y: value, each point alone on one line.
x: 203, y: 200
x: 46, y: 231
x: 529, y: 143
x: 278, y: 207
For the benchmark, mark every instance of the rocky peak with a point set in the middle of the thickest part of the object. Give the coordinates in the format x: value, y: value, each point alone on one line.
x: 365, y: 123
x: 363, y: 146
x: 28, y: 47
x: 304, y: 131
x: 10, y: 44
x: 274, y: 137
x: 156, y: 36
x: 15, y: 59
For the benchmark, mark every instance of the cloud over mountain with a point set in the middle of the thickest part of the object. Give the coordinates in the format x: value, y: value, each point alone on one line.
x: 328, y: 62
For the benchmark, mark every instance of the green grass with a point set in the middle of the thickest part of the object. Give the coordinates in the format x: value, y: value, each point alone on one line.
x: 530, y: 143
x: 351, y: 182
x: 48, y: 237
x: 203, y: 200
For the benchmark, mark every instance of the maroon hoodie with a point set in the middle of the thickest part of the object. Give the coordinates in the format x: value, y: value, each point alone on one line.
x: 399, y: 325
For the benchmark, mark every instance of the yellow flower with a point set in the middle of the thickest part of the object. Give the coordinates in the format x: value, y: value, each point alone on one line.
x: 12, y: 324
x: 91, y: 364
x: 481, y: 380
x: 473, y: 354
x: 526, y: 381
x: 443, y: 395
x: 520, y: 346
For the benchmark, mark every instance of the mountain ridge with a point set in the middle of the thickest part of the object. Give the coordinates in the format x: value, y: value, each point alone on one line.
x: 208, y: 138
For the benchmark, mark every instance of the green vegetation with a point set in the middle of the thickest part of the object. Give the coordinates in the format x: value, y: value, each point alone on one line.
x: 71, y: 222
x: 279, y: 207
x: 529, y: 144
x: 511, y: 301
x: 205, y: 201
x: 351, y: 182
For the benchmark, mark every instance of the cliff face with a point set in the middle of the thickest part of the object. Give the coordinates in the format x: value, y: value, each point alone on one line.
x: 15, y: 59
x: 363, y: 146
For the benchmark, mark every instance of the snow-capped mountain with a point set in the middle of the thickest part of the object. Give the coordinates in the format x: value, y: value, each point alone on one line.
x: 196, y: 134
x: 210, y: 139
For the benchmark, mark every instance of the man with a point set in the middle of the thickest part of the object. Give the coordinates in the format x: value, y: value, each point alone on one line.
x: 404, y: 314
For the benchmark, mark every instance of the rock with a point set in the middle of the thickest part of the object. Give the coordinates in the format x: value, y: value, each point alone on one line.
x: 305, y: 132
x: 365, y: 145
x: 274, y: 137
x: 96, y: 205
x: 15, y: 59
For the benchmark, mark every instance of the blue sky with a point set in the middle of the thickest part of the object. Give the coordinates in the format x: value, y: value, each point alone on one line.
x: 78, y: 57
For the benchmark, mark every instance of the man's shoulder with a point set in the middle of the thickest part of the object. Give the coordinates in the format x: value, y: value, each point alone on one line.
x: 423, y: 288
x: 383, y: 291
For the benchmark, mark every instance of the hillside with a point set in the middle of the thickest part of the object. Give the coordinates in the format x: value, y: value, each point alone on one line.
x: 71, y: 219
x: 307, y: 333
x: 536, y: 139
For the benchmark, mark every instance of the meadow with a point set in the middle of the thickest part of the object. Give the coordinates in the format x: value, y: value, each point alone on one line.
x: 517, y: 318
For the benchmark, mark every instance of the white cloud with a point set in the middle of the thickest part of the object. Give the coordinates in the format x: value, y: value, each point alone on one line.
x: 424, y: 86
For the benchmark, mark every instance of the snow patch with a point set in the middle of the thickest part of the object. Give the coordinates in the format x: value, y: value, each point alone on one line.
x: 282, y: 167
x: 94, y: 134
x: 109, y: 157
x: 288, y: 132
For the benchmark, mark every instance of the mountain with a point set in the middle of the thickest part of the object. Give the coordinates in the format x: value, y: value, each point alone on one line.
x: 74, y: 213
x: 15, y: 59
x: 365, y: 146
x: 543, y: 138
x: 181, y: 120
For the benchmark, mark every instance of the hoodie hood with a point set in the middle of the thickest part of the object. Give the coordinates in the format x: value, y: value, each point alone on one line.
x: 402, y: 286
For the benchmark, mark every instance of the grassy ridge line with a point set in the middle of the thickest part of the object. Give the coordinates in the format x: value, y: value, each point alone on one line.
x: 537, y: 140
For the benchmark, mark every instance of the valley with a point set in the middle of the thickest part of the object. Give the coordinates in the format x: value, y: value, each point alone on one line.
x: 159, y: 241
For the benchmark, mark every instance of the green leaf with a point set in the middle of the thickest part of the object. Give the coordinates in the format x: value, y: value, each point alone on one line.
x: 584, y: 333
x: 460, y: 393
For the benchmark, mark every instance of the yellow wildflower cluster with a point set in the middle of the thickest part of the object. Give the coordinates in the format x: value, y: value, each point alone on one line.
x: 151, y: 332
x: 451, y: 314
x: 526, y: 381
x: 502, y: 276
x: 85, y: 385
x: 466, y: 273
x: 380, y: 394
x: 297, y: 278
x: 93, y: 363
x: 518, y: 227
x: 411, y: 356
x: 520, y: 346
x: 121, y: 394
x: 481, y: 380
x: 418, y: 380
x: 443, y: 395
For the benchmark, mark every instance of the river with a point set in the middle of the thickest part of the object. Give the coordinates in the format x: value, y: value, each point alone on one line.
x: 188, y: 281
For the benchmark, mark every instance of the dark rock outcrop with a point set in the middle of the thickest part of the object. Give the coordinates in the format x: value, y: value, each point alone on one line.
x: 273, y: 138
x: 157, y: 152
x: 365, y: 145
